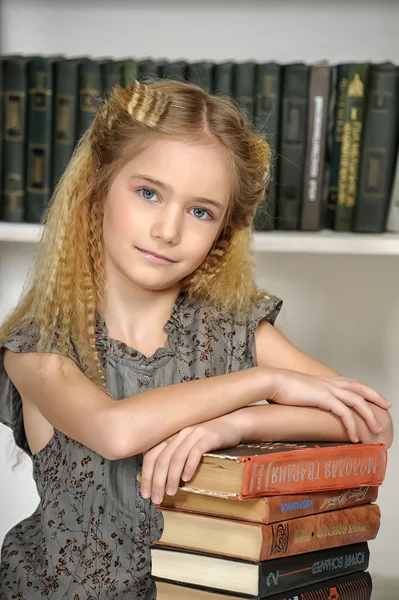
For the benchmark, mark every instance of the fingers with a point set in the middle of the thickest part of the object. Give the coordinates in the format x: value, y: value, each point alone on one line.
x: 162, y: 463
x: 360, y: 388
x: 361, y: 406
x: 338, y: 408
x: 147, y: 473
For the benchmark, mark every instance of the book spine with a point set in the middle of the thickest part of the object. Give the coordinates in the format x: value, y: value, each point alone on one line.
x: 351, y: 587
x: 175, y: 71
x: 319, y: 93
x: 244, y: 91
x: 295, y: 90
x: 393, y: 211
x: 130, y: 71
x: 318, y: 532
x: 64, y: 120
x: 267, y: 115
x: 14, y: 140
x: 111, y: 75
x: 379, y: 146
x: 300, y: 505
x: 224, y: 79
x: 312, y: 470
x: 90, y: 88
x: 350, y: 148
x: 338, y: 127
x: 40, y: 119
x: 201, y: 74
x: 309, y: 568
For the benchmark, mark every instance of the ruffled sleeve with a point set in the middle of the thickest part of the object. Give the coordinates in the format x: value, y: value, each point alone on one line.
x: 23, y: 339
x: 210, y: 342
x: 268, y: 308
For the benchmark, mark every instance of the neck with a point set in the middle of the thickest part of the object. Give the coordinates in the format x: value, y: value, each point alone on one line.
x: 132, y: 314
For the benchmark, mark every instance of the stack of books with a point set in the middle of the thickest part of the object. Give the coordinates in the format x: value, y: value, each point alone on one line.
x: 273, y: 520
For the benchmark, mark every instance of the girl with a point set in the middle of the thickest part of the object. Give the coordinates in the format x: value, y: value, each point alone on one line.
x: 142, y: 341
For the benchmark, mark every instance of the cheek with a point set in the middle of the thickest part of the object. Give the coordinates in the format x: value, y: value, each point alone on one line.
x: 200, y: 243
x: 118, y: 218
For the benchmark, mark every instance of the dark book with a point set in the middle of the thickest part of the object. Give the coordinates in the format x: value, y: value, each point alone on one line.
x: 150, y: 70
x: 318, y: 109
x: 14, y: 139
x: 64, y: 118
x: 379, y: 147
x: 111, y: 75
x: 175, y: 70
x: 258, y: 542
x: 39, y: 138
x: 267, y: 121
x: 259, y: 579
x: 201, y: 74
x: 393, y: 211
x: 295, y: 90
x: 245, y: 86
x: 89, y: 89
x: 341, y: 90
x: 260, y: 468
x: 350, y: 146
x: 224, y: 83
x: 357, y: 586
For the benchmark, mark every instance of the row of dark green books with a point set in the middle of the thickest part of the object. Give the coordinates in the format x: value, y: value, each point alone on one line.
x: 333, y: 130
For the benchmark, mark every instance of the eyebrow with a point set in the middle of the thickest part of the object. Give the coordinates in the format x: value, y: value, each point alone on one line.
x: 167, y: 188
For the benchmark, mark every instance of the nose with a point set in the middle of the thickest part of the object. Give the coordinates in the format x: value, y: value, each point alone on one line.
x: 168, y: 225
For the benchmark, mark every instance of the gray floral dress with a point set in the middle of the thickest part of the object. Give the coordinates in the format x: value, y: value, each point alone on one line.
x: 91, y: 533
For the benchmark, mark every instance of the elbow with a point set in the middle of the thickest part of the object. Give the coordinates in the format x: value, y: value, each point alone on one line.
x: 386, y: 436
x: 120, y: 439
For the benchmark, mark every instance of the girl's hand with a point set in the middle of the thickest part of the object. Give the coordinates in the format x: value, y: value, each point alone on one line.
x: 178, y: 457
x: 335, y: 394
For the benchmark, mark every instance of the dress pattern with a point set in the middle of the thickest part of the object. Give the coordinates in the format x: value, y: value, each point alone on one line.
x: 90, y: 536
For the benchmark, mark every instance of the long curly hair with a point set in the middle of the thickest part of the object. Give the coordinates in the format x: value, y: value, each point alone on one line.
x: 67, y: 284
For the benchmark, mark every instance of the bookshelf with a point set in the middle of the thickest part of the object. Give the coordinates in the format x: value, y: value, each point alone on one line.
x: 340, y: 290
x: 295, y: 242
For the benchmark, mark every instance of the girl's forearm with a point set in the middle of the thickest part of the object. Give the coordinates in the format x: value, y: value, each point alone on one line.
x: 274, y: 422
x: 143, y: 420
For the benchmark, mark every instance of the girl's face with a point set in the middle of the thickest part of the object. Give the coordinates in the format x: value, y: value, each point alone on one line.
x: 163, y: 212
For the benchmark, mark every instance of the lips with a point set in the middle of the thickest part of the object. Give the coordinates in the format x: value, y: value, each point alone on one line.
x: 154, y: 257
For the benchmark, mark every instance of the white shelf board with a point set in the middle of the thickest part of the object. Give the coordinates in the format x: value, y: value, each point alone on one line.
x: 298, y: 242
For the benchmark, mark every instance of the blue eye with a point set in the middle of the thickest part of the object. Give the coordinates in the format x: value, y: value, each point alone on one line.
x: 148, y: 194
x: 201, y: 213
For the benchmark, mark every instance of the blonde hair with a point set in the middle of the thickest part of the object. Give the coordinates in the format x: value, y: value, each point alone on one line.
x: 68, y: 285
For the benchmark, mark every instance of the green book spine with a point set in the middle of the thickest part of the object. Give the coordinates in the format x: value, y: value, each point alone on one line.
x: 244, y: 93
x: 380, y: 141
x: 65, y: 111
x: 224, y: 79
x: 89, y: 88
x: 201, y: 74
x: 111, y: 75
x: 39, y: 134
x: 130, y: 71
x: 351, y: 145
x: 295, y: 91
x: 338, y: 127
x: 14, y: 139
x: 267, y: 117
x: 1, y: 125
x: 150, y: 70
x: 175, y: 71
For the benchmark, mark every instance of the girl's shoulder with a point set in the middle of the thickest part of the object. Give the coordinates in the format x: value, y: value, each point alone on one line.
x: 189, y: 312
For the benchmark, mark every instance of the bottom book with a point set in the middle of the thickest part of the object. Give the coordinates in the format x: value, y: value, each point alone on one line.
x: 357, y: 586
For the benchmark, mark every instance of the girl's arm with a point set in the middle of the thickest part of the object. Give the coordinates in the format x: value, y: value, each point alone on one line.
x: 273, y: 350
x: 119, y: 428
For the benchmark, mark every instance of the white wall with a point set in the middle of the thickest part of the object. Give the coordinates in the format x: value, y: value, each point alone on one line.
x: 343, y: 310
